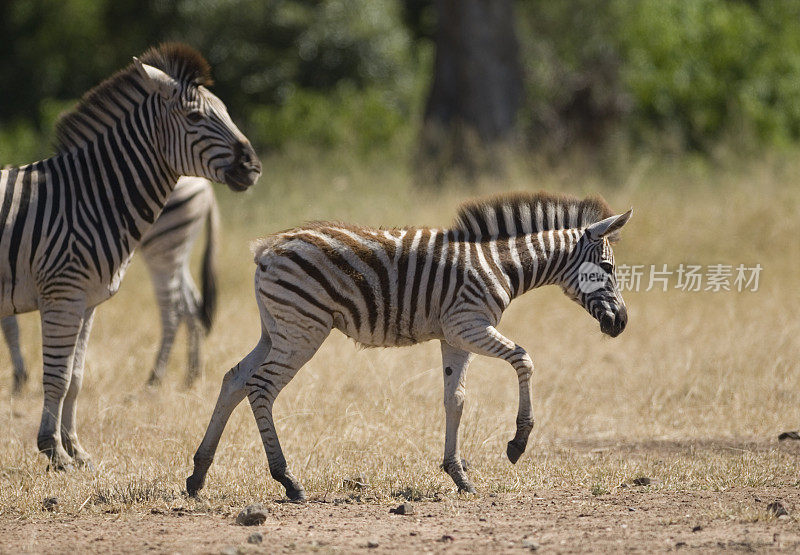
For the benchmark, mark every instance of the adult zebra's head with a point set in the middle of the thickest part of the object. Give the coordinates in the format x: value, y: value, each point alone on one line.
x: 198, y: 136
x: 590, y: 279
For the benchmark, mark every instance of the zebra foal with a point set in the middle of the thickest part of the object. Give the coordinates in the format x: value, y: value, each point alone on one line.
x: 69, y: 224
x: 404, y: 286
x: 166, y: 248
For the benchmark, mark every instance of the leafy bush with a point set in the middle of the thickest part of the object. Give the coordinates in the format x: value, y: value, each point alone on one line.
x: 663, y: 71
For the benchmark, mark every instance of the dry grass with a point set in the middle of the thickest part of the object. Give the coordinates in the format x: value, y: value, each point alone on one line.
x: 693, y: 393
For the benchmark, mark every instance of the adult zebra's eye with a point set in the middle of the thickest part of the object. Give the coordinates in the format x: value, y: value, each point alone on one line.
x: 607, y: 267
x: 194, y: 117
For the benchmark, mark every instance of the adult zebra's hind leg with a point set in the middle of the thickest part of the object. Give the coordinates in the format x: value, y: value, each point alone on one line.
x: 454, y: 365
x: 61, y: 326
x: 11, y: 333
x: 69, y: 434
x: 168, y: 296
x: 231, y: 393
x: 194, y: 327
x: 483, y: 339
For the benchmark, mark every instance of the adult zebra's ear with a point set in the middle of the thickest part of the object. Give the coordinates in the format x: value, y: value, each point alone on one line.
x: 156, y: 80
x: 609, y: 226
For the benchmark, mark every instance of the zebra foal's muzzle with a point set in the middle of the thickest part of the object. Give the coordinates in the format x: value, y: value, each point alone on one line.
x: 245, y: 169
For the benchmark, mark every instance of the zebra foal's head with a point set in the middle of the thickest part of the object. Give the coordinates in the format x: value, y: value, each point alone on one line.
x: 590, y: 280
x: 198, y: 136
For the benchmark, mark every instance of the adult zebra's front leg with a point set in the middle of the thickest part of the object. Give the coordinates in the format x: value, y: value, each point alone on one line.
x: 481, y: 338
x: 69, y: 434
x: 454, y: 364
x: 61, y: 326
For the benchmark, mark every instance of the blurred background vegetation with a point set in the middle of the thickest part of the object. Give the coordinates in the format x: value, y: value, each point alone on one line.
x: 368, y: 77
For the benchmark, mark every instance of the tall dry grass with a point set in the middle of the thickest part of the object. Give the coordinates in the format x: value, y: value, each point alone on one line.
x: 693, y: 393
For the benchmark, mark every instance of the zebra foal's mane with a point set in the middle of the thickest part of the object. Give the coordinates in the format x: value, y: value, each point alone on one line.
x: 180, y: 61
x: 508, y: 215
x: 495, y: 217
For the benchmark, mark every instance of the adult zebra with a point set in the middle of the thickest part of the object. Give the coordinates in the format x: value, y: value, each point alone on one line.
x: 404, y: 286
x: 166, y: 248
x: 69, y: 224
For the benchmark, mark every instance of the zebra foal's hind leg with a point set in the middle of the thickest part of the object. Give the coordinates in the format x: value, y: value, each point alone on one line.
x: 454, y: 365
x: 483, y: 339
x: 295, y: 339
x: 231, y: 393
x: 61, y: 326
x: 11, y: 333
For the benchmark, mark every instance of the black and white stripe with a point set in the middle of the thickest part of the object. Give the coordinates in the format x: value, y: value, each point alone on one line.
x: 69, y: 224
x: 166, y: 248
x: 403, y: 286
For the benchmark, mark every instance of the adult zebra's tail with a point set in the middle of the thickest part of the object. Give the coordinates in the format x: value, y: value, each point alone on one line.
x: 208, y: 302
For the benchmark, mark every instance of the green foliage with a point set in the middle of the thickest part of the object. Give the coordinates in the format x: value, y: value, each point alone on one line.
x: 688, y: 74
x: 708, y: 68
x: 353, y: 73
x: 321, y: 71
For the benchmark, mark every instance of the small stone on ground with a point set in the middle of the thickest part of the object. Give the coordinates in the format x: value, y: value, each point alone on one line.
x: 403, y: 509
x: 252, y: 515
x: 530, y: 544
x: 255, y: 537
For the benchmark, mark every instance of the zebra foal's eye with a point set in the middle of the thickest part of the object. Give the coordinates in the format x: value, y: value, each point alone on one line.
x: 607, y: 267
x: 194, y: 116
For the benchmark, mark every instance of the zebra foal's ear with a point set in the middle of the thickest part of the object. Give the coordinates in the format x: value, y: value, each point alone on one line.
x: 156, y: 80
x: 606, y: 227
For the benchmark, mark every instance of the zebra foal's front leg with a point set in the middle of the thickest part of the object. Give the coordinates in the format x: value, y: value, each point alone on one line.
x: 11, y: 333
x: 483, y: 339
x: 61, y: 326
x: 454, y: 366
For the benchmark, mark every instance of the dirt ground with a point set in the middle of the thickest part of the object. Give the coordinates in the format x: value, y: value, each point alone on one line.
x: 632, y: 518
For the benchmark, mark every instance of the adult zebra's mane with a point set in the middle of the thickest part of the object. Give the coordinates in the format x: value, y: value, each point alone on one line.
x: 504, y: 216
x: 179, y: 61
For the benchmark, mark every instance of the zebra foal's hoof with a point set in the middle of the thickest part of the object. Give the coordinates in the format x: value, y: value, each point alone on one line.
x: 193, y: 485
x: 514, y: 452
x: 296, y: 494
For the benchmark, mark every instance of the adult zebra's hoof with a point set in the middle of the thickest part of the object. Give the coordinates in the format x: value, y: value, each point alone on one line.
x: 514, y: 452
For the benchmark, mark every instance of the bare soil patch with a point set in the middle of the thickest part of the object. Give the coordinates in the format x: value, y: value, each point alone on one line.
x: 632, y: 518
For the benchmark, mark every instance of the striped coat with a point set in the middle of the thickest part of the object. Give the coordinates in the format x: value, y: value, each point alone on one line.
x: 69, y: 224
x: 403, y: 286
x: 166, y: 248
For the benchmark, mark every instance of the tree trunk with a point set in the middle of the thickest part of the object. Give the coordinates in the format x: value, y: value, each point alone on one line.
x: 477, y: 85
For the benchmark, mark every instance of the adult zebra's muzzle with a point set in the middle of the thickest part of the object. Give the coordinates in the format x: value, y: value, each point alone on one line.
x: 245, y: 169
x: 613, y: 324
